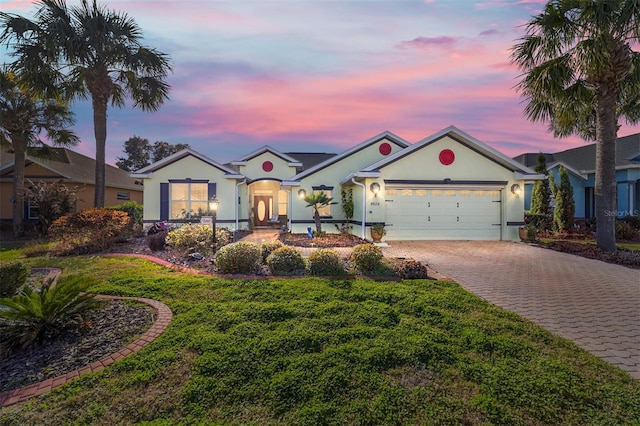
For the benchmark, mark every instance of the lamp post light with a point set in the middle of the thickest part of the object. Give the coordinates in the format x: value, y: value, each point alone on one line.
x: 213, y: 207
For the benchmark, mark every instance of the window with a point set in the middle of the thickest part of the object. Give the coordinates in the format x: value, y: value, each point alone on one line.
x: 188, y: 199
x: 32, y: 211
x: 122, y: 196
x: 283, y: 198
x: 326, y: 210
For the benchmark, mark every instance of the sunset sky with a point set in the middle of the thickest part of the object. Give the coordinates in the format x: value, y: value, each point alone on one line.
x: 302, y: 75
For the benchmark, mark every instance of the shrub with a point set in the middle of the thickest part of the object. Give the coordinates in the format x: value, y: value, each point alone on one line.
x: 135, y: 211
x: 12, y: 276
x: 156, y: 242
x: 32, y: 316
x: 367, y: 257
x: 268, y: 247
x: 88, y: 231
x: 325, y: 262
x: 626, y: 231
x: 543, y: 222
x: 286, y: 260
x: 410, y: 269
x: 197, y: 238
x: 190, y: 239
x: 242, y: 257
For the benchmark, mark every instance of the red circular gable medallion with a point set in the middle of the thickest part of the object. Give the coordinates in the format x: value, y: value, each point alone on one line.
x: 385, y: 149
x: 447, y: 157
x: 267, y: 166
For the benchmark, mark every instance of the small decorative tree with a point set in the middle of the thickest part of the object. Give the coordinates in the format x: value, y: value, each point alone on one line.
x: 541, y: 194
x: 564, y: 213
x: 54, y: 200
x: 318, y: 201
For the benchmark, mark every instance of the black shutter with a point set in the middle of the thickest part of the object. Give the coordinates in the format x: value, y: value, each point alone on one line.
x: 211, y: 192
x: 164, y: 201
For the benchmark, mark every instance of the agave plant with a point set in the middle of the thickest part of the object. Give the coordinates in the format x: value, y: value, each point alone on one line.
x: 36, y: 315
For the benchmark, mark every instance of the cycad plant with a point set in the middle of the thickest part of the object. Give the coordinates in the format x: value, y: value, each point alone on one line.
x: 34, y: 316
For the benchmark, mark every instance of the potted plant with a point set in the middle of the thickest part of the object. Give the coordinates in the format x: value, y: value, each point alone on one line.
x: 528, y: 233
x: 377, y: 232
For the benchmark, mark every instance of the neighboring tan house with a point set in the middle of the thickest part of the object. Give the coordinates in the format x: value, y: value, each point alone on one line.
x: 581, y: 164
x: 71, y: 168
x: 447, y: 186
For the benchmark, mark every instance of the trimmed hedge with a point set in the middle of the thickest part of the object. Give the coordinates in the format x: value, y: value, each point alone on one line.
x: 242, y: 257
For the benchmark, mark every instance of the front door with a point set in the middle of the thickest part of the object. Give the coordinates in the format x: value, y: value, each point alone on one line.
x: 262, y: 205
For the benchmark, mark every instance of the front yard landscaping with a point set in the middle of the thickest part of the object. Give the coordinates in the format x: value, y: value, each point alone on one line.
x: 325, y: 351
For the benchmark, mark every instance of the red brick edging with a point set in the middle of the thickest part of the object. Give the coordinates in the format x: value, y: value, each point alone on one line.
x: 157, y: 328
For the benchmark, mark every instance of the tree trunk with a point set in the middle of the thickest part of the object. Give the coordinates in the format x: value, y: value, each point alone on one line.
x: 18, y: 145
x: 316, y: 216
x: 605, y: 184
x: 100, y: 132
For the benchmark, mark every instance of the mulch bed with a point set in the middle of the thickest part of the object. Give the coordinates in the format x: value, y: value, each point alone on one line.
x: 104, y: 331
x: 328, y: 241
x: 628, y: 258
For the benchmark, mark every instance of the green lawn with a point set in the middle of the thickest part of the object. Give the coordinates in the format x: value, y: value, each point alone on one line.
x: 316, y: 351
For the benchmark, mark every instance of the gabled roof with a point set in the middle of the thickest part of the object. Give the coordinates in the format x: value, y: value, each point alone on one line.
x: 463, y: 138
x: 334, y: 159
x: 583, y: 158
x: 310, y: 159
x: 292, y: 161
x: 570, y: 169
x: 73, y: 167
x: 147, y: 171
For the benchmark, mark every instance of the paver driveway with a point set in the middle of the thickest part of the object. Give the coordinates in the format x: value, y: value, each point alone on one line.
x: 592, y: 303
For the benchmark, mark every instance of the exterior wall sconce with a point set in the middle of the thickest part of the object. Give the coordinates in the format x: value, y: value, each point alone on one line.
x: 516, y: 190
x: 302, y: 193
x: 375, y: 188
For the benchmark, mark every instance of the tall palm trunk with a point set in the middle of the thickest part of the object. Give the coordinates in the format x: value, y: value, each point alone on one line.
x: 605, y: 183
x: 100, y: 94
x: 316, y: 217
x: 18, y: 182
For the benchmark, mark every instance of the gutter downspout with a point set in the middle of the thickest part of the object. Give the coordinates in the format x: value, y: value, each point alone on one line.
x: 237, y: 203
x: 364, y: 204
x: 290, y: 209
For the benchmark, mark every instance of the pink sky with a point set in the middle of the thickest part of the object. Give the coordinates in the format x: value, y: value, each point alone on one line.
x: 303, y: 75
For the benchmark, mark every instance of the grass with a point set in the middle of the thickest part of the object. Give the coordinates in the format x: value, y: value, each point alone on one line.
x: 316, y: 351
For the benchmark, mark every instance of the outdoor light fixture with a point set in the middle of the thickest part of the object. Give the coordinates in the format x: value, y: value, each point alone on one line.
x: 375, y: 188
x: 302, y: 193
x: 214, y: 203
x: 516, y: 190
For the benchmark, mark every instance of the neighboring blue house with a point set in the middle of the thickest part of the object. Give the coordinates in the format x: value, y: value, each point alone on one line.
x: 581, y: 164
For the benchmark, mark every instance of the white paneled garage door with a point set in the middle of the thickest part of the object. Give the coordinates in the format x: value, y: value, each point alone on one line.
x: 442, y: 213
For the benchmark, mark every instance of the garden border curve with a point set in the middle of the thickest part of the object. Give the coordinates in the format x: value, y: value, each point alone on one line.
x: 163, y: 319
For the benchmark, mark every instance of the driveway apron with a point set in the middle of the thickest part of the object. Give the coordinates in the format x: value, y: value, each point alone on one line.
x: 592, y: 303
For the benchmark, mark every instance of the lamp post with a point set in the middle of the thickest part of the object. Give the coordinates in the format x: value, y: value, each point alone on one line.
x: 213, y: 207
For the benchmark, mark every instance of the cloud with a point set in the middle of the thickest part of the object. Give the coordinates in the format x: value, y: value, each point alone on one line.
x: 490, y: 32
x: 428, y: 42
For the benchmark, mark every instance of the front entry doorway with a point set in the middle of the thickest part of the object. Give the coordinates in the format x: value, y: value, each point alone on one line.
x: 263, y: 207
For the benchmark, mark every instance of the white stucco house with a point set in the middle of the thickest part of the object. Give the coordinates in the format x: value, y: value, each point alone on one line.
x: 448, y: 186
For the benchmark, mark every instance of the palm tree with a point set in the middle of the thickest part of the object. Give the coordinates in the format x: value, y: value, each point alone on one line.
x: 23, y: 116
x: 91, y: 52
x: 581, y: 76
x: 318, y: 201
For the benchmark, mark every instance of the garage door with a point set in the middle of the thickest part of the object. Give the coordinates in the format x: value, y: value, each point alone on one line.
x: 442, y: 214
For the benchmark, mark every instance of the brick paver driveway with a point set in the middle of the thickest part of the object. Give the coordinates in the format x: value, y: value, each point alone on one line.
x: 592, y: 303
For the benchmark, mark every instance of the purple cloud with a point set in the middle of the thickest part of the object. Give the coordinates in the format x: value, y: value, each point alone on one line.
x: 427, y: 42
